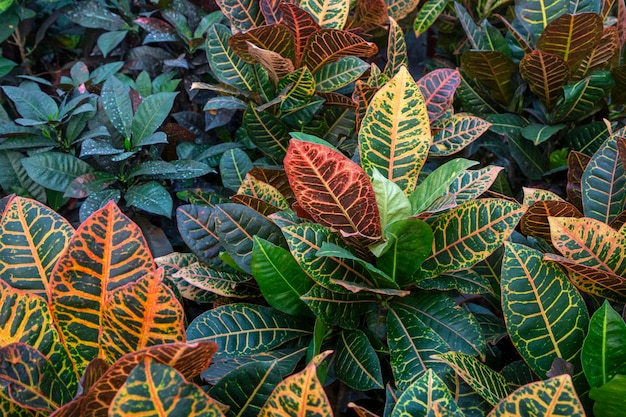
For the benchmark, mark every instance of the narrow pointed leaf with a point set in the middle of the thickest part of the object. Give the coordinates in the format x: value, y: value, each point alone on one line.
x: 301, y: 24
x: 330, y: 14
x: 602, y: 55
x: 468, y: 234
x: 236, y: 225
x: 267, y: 132
x: 245, y: 329
x: 32, y: 104
x: 545, y: 316
x: 396, y: 49
x: 297, y: 89
x: 150, y: 114
x: 32, y: 238
x: 117, y: 105
x: 356, y: 362
x: 488, y: 383
x: 227, y: 66
x: 328, y: 45
x: 427, y: 15
x: 173, y: 263
x: 604, y: 349
x: 473, y: 183
x: 555, y: 397
x: 395, y: 133
x: 333, y: 189
x: 399, y: 9
x: 546, y: 73
x: 299, y: 394
x: 427, y: 396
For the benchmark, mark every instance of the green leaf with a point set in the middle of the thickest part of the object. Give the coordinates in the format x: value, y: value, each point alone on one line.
x: 234, y: 165
x: 151, y: 197
x: 494, y: 70
x: 395, y: 133
x: 545, y: 315
x: 487, y: 382
x: 453, y: 134
x: 117, y: 105
x: 246, y: 329
x: 331, y: 14
x: 409, y: 242
x: 604, y: 349
x: 91, y: 14
x: 280, y: 278
x: 296, y: 89
x: 236, y: 225
x: 338, y: 309
x: 15, y: 178
x: 55, y: 170
x: 555, y: 397
x: 32, y: 104
x: 604, y: 183
x: 267, y: 132
x: 246, y: 388
x: 150, y: 388
x: 427, y: 396
x: 427, y: 15
x: 609, y: 398
x: 393, y: 204
x: 470, y: 233
x: 338, y: 74
x: 539, y: 133
x: 534, y: 15
x: 150, y: 114
x: 396, y: 49
x: 581, y: 98
x: 242, y: 14
x: 437, y: 183
x: 227, y: 66
x: 108, y: 41
x: 356, y: 362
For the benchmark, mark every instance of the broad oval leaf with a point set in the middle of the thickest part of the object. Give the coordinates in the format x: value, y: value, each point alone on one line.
x: 234, y: 165
x: 469, y: 233
x: 395, y: 133
x: 242, y: 14
x: 32, y: 238
x: 535, y: 221
x: 356, y: 362
x: 535, y: 15
x: 453, y: 134
x: 494, y: 70
x: 335, y: 191
x: 55, y: 170
x: 117, y: 105
x: 546, y: 73
x: 32, y: 104
x: 300, y: 394
x: 151, y: 197
x: 196, y: 225
x: 604, y: 349
x: 227, y: 66
x: 338, y: 74
x: 150, y: 387
x: 236, y: 225
x: 427, y: 396
x: 330, y: 14
x: 328, y: 45
x: 245, y: 329
x: 582, y: 97
x: 338, y: 309
x: 545, y: 316
x: 150, y: 114
x: 555, y: 397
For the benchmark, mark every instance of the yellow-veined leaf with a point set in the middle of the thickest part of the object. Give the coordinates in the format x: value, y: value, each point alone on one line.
x: 330, y: 14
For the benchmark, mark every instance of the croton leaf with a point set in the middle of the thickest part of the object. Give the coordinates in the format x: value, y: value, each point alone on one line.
x: 242, y: 14
x: 399, y: 9
x: 117, y: 105
x: 277, y: 178
x: 32, y: 238
x: 32, y: 104
x: 267, y: 132
x: 494, y: 70
x: 546, y: 73
x: 472, y: 183
x: 428, y: 395
x: 338, y: 309
x: 603, y: 183
x: 245, y: 329
x: 225, y: 284
x: 604, y: 349
x: 106, y: 252
x: 602, y: 55
x: 234, y: 165
x: 545, y: 316
x: 453, y: 134
x: 487, y: 382
x: 356, y: 362
x: 296, y: 89
x: 55, y: 170
x: 151, y: 385
x: 333, y: 189
x: 576, y: 164
x: 535, y: 221
x: 534, y: 15
x: 582, y: 97
x: 174, y: 262
x: 330, y: 14
x: 338, y: 74
x: 301, y: 24
x: 277, y: 67
x: 427, y: 15
x: 300, y: 394
x: 470, y: 233
x: 396, y: 49
x: 328, y: 45
x: 246, y: 388
x: 188, y: 359
x: 276, y: 38
x: 395, y: 133
x: 236, y: 225
x: 556, y: 396
x: 227, y: 66
x: 280, y: 278
x: 572, y: 37
x: 438, y: 88
x: 254, y: 187
x: 29, y: 379
x: 196, y: 225
x: 608, y: 398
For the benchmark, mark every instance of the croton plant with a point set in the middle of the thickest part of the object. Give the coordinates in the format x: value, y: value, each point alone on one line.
x: 361, y: 265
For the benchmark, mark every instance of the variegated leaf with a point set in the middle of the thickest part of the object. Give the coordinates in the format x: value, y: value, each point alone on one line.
x: 473, y: 183
x: 453, y: 134
x: 301, y: 24
x: 328, y: 45
x: 546, y: 73
x: 534, y: 15
x: 227, y: 66
x: 242, y: 14
x: 494, y: 70
x: 395, y: 133
x: 427, y: 15
x: 329, y: 14
x: 396, y: 49
x: 438, y: 88
x: 275, y: 38
x: 427, y: 396
x: 535, y: 221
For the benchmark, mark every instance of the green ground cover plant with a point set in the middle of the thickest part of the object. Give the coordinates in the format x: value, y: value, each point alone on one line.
x: 257, y: 207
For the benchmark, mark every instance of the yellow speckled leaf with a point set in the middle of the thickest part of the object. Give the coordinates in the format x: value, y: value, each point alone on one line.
x: 300, y: 394
x: 395, y: 132
x: 330, y: 14
x: 554, y: 397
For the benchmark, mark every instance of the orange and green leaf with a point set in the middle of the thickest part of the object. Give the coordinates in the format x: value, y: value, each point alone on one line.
x: 535, y: 221
x: 546, y: 73
x: 328, y: 45
x: 395, y: 133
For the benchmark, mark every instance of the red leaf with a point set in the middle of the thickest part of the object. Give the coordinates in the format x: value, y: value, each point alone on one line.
x: 438, y: 88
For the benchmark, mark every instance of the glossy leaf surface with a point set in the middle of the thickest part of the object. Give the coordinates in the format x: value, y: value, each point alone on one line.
x: 494, y: 70
x: 328, y: 45
x: 428, y: 395
x: 242, y: 14
x: 453, y: 134
x: 545, y: 316
x: 227, y: 66
x: 330, y: 14
x: 338, y: 309
x: 197, y: 227
x: 395, y: 133
x: 356, y: 362
x: 438, y: 88
x: 535, y: 220
x: 546, y: 73
x: 535, y: 15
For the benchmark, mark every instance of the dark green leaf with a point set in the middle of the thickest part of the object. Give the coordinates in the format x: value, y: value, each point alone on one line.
x: 234, y: 165
x: 356, y: 362
x: 338, y: 309
x: 150, y: 114
x: 32, y: 104
x: 55, y: 170
x: 151, y: 197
